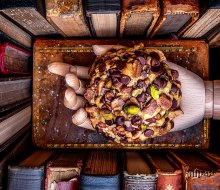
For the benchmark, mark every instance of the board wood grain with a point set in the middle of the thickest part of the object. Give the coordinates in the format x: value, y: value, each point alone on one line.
x: 52, y: 125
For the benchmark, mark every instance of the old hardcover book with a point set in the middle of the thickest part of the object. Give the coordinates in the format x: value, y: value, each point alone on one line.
x: 14, y: 89
x: 29, y: 173
x: 14, y: 60
x: 14, y: 32
x: 100, y: 171
x: 176, y: 17
x: 68, y: 17
x: 168, y: 171
x: 18, y: 148
x: 199, y: 172
x: 13, y: 122
x: 52, y: 125
x: 28, y: 14
x: 138, y: 17
x: 64, y: 170
x: 138, y: 172
x: 210, y: 11
x: 104, y: 17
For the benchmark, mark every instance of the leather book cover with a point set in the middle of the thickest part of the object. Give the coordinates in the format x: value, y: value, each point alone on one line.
x: 209, y: 20
x: 199, y: 172
x: 100, y: 171
x: 30, y: 172
x: 138, y: 172
x: 14, y: 32
x: 30, y: 14
x: 176, y: 17
x: 52, y: 125
x: 138, y: 17
x: 63, y: 170
x: 14, y: 60
x: 168, y: 171
x: 21, y: 146
x: 104, y: 17
x: 67, y: 17
x: 14, y: 89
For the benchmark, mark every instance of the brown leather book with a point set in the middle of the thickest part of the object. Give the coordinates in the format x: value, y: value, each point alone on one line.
x: 14, y: 32
x: 199, y: 172
x: 138, y: 172
x: 63, y: 171
x: 57, y: 130
x: 168, y: 171
x: 20, y: 147
x: 138, y: 17
x: 28, y: 14
x: 14, y: 60
x: 176, y: 17
x: 67, y: 17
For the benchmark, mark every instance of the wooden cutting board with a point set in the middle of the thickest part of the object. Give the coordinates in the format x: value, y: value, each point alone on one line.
x: 52, y: 125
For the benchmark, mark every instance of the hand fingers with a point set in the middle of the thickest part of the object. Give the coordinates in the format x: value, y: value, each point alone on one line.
x: 102, y: 49
x: 75, y: 83
x: 80, y: 118
x: 72, y: 101
x: 62, y: 69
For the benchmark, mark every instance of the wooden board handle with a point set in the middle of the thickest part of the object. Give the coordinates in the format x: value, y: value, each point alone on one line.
x: 212, y: 99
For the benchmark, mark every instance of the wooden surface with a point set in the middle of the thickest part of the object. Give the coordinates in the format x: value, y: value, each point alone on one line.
x: 52, y: 125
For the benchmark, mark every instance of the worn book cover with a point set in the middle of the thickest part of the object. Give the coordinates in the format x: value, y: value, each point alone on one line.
x: 104, y: 17
x: 63, y: 170
x: 52, y: 125
x: 30, y: 172
x: 138, y: 172
x: 100, y: 171
x: 14, y: 89
x: 14, y: 60
x: 28, y: 14
x: 176, y: 17
x: 169, y: 173
x: 138, y: 17
x: 199, y: 172
x: 14, y: 32
x: 13, y: 122
x: 68, y: 17
x: 20, y: 147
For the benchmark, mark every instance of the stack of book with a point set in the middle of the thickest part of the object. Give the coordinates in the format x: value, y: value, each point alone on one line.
x: 110, y: 170
x: 23, y: 20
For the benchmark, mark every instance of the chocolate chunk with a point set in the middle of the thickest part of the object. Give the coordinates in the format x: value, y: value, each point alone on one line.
x: 114, y: 73
x: 120, y: 120
x: 96, y: 80
x: 155, y: 55
x: 129, y: 128
x: 125, y: 79
x: 174, y: 104
x: 142, y: 97
x: 141, y: 54
x: 148, y: 132
x: 109, y: 122
x: 112, y: 50
x: 121, y: 65
x: 151, y: 120
x: 140, y: 83
x: 150, y: 108
x: 141, y: 59
x: 160, y: 82
x: 174, y: 88
x: 109, y: 96
x: 136, y: 120
x: 126, y: 56
x: 175, y: 74
x: 102, y: 67
x: 165, y: 101
x: 155, y: 62
x: 116, y: 81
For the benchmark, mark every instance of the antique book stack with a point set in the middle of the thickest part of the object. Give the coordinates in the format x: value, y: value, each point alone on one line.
x: 30, y: 15
x: 104, y: 17
x: 176, y: 17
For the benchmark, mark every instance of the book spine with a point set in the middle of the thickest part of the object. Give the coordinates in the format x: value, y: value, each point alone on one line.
x: 14, y: 32
x: 67, y: 17
x: 137, y: 182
